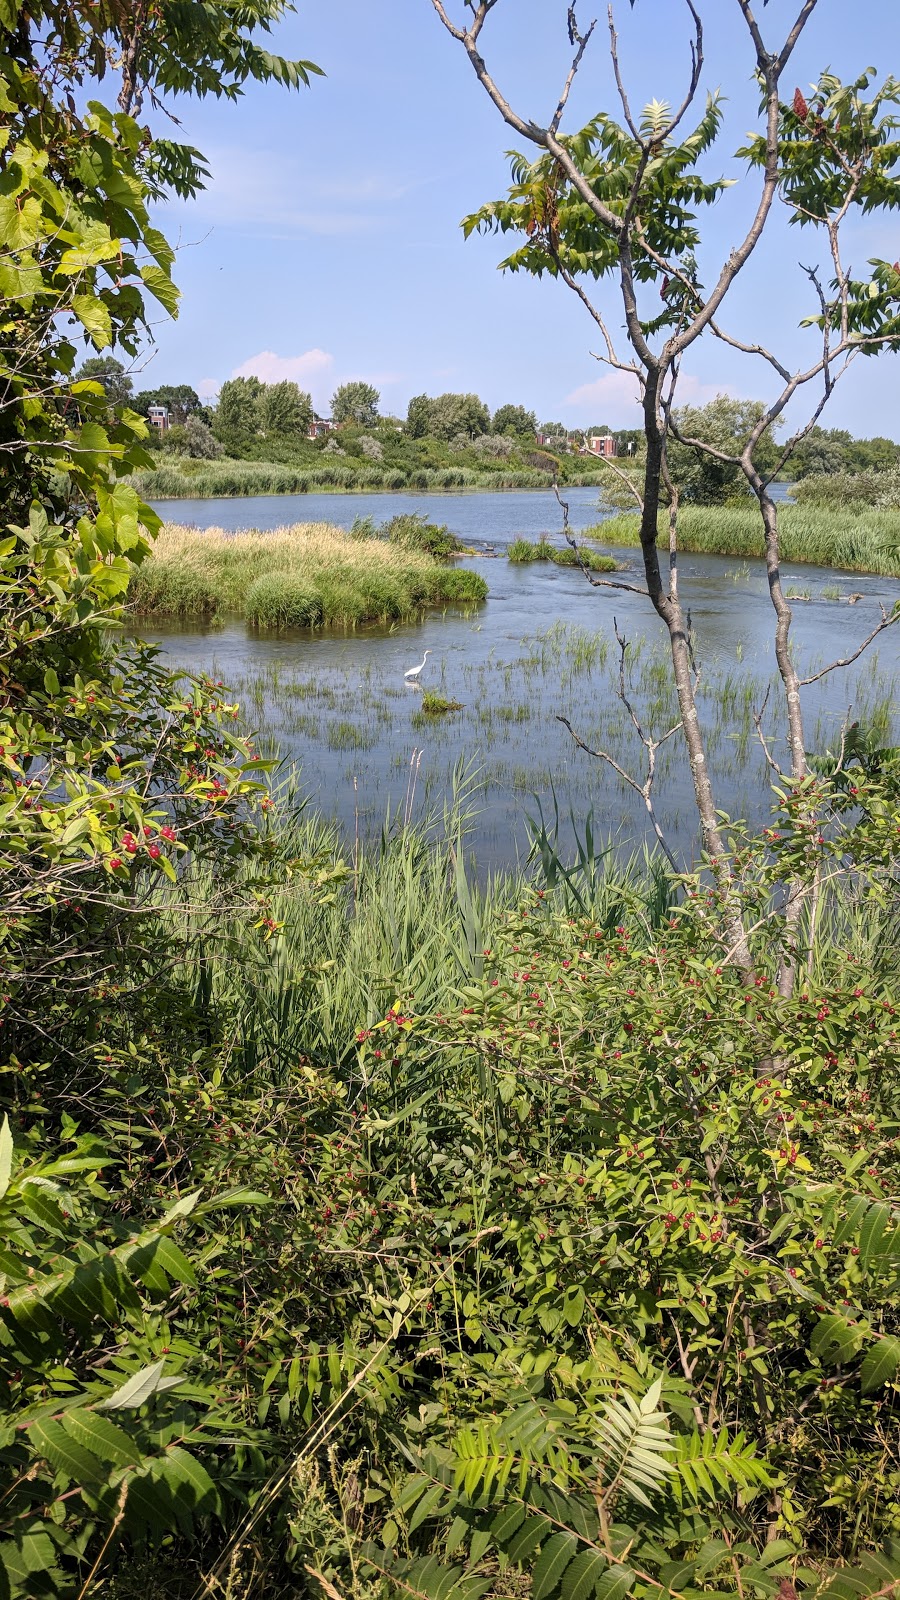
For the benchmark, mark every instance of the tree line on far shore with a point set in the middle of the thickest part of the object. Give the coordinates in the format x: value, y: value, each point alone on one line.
x: 251, y: 412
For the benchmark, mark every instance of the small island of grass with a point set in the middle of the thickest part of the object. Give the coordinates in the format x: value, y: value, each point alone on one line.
x: 305, y: 576
x: 524, y: 550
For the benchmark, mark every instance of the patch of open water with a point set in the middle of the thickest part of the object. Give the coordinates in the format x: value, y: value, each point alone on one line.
x: 541, y: 646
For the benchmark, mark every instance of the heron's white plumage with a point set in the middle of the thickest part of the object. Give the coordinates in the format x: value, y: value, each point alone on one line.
x: 413, y: 672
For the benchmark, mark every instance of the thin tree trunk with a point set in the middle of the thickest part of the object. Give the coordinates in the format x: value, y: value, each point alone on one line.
x: 797, y: 892
x: 669, y: 609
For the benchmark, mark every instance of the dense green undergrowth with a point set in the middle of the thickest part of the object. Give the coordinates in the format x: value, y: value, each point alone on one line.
x: 367, y: 1230
x: 525, y: 1255
x: 852, y: 491
x: 307, y: 576
x: 860, y: 539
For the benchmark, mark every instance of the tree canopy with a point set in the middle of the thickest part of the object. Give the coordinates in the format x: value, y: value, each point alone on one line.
x: 356, y: 402
x: 515, y: 421
x: 284, y: 409
x: 180, y: 400
x: 725, y: 424
x: 446, y: 415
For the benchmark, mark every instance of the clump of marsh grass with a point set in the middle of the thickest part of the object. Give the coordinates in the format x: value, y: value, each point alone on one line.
x: 524, y: 550
x: 411, y: 531
x: 306, y: 576
x: 435, y: 705
x: 864, y: 541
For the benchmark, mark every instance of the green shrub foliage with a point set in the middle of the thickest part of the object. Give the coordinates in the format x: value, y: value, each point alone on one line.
x: 530, y: 1246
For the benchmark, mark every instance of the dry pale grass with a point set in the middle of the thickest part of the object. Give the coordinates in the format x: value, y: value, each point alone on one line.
x: 299, y: 576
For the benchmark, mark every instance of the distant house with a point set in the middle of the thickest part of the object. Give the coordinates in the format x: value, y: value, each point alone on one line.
x: 319, y: 427
x: 158, y: 417
x: 600, y: 444
x: 551, y: 439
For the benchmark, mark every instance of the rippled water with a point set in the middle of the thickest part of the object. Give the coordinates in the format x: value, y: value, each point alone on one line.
x: 540, y: 647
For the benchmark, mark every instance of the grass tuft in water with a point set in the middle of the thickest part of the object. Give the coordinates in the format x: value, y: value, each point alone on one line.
x: 306, y: 576
x: 434, y: 705
x: 524, y: 550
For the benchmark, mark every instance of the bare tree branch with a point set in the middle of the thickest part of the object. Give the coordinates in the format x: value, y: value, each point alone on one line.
x: 847, y: 661
x: 582, y: 41
x: 645, y: 789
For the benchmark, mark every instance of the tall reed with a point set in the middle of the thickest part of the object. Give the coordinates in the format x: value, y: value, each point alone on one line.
x: 308, y: 575
x: 175, y: 480
x: 867, y: 541
x: 408, y: 923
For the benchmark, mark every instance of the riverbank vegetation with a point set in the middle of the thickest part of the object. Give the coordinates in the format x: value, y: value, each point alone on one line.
x: 859, y: 540
x: 265, y: 439
x: 370, y: 1231
x: 851, y: 491
x: 421, y: 469
x: 310, y: 575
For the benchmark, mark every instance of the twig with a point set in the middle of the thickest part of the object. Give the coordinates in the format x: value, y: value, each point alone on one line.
x: 645, y: 789
x: 847, y: 661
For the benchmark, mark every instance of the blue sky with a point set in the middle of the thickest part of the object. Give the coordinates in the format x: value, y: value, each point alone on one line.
x: 328, y: 245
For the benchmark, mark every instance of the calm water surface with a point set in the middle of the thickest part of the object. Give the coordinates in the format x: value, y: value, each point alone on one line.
x: 540, y: 647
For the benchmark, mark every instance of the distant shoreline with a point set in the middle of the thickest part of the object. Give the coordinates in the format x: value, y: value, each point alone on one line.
x: 323, y: 488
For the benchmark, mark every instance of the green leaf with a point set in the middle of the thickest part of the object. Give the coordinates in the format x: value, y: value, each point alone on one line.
x: 64, y: 1454
x: 506, y: 1523
x: 29, y: 1553
x: 552, y: 1562
x: 615, y: 1584
x: 97, y: 1434
x: 140, y: 1388
x: 872, y: 1233
x: 833, y: 1340
x: 160, y: 284
x: 527, y: 1538
x: 426, y: 1506
x: 880, y: 1364
x: 573, y: 1307
x: 186, y: 1470
x: 583, y: 1575
x: 94, y: 318
x: 174, y: 1262
x: 182, y: 1207
x: 234, y: 1197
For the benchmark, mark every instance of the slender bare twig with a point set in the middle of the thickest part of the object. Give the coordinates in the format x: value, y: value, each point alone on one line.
x: 582, y: 40
x: 645, y: 789
x: 596, y: 583
x: 758, y: 721
x: 847, y: 661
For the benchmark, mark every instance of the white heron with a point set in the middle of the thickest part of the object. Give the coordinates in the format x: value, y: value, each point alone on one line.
x: 412, y: 676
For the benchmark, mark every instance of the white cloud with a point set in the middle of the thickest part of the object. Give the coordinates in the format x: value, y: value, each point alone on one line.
x: 208, y: 388
x: 614, y: 392
x: 691, y: 392
x: 617, y: 396
x: 312, y: 366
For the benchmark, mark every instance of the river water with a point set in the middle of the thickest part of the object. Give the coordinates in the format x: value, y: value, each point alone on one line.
x: 542, y: 646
